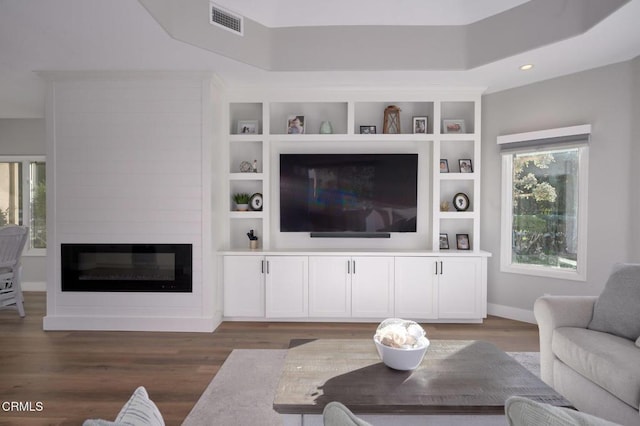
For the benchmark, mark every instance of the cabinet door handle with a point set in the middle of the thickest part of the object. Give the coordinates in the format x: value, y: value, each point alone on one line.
x: 267, y: 266
x: 441, y: 268
x: 348, y: 267
x: 354, y: 267
x: 262, y: 266
x: 436, y: 267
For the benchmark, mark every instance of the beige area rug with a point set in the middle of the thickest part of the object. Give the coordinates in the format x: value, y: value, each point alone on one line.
x: 243, y: 390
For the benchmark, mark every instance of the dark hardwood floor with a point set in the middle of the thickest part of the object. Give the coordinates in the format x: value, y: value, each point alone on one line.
x: 74, y: 375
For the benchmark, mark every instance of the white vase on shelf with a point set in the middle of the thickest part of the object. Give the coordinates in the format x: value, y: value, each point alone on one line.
x: 326, y: 128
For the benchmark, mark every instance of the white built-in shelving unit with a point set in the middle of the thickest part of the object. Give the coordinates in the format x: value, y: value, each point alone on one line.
x: 347, y: 111
x: 291, y: 276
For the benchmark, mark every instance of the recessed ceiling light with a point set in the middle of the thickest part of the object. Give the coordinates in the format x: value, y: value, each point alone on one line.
x: 526, y: 67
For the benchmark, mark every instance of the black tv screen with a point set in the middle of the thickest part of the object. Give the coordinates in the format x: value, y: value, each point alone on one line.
x: 348, y: 192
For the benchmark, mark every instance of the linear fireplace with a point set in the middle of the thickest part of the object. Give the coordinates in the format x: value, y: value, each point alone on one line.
x: 127, y: 267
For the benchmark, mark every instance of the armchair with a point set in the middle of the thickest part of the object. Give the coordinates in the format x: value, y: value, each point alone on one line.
x: 12, y: 241
x: 588, y: 349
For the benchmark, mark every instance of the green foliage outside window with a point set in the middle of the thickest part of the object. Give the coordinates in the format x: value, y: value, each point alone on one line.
x: 39, y: 216
x: 544, y: 208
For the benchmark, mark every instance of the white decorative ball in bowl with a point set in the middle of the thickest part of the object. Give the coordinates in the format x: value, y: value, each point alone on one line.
x: 401, y: 344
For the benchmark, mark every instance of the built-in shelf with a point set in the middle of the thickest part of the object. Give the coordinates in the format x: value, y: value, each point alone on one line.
x: 457, y: 176
x: 246, y: 176
x: 347, y: 112
x: 246, y: 214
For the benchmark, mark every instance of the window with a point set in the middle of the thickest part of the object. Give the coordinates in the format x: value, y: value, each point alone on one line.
x: 23, y: 198
x: 544, y: 211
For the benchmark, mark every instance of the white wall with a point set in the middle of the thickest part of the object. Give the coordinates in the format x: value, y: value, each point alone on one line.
x: 635, y: 157
x: 129, y: 161
x: 26, y: 136
x: 22, y: 136
x: 603, y: 98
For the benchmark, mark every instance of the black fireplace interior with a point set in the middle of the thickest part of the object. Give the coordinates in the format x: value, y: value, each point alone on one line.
x: 127, y: 267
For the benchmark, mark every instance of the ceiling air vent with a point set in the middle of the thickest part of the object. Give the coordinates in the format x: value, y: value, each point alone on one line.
x: 225, y: 19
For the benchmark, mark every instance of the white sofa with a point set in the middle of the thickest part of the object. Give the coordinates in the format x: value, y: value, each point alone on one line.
x: 588, y: 347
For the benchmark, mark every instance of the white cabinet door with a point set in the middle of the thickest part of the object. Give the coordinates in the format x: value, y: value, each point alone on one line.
x: 287, y: 286
x: 329, y: 286
x: 243, y: 286
x: 372, y: 287
x: 460, y: 288
x: 416, y: 293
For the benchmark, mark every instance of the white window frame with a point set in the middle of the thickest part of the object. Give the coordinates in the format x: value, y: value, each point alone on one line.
x: 506, y: 259
x: 26, y: 161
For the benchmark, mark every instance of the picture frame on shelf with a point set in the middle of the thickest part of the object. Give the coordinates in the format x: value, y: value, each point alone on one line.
x: 444, y: 241
x: 461, y: 202
x: 295, y: 125
x: 444, y: 165
x: 453, y: 126
x: 247, y: 127
x: 465, y: 165
x: 367, y: 130
x: 462, y: 242
x: 420, y: 125
x: 256, y: 202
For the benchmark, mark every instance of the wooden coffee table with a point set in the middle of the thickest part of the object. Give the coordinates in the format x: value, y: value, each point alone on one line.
x: 455, y: 376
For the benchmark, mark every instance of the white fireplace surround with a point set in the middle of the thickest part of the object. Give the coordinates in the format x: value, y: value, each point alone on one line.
x: 129, y: 161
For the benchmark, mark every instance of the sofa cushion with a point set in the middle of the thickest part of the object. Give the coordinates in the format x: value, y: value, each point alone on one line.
x: 617, y: 310
x: 638, y: 342
x: 609, y: 361
x: 525, y: 412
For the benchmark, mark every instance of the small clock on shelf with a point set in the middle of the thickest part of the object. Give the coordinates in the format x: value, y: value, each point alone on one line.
x: 255, y: 202
x: 461, y: 202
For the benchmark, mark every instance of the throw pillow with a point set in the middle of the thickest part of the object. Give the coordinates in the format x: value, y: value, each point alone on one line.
x: 100, y: 422
x: 521, y: 411
x: 638, y: 342
x: 617, y: 310
x: 336, y: 414
x: 138, y: 411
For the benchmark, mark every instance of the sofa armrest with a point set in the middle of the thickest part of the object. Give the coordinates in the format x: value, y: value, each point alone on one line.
x: 552, y: 312
x: 564, y: 311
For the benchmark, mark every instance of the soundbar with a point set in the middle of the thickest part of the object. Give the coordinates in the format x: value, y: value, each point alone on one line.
x: 350, y: 235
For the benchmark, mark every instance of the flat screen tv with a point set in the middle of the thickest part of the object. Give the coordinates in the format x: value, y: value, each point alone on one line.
x: 348, y: 193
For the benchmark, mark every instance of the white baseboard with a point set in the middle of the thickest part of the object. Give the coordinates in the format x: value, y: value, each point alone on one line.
x: 509, y: 312
x: 34, y: 286
x: 76, y: 323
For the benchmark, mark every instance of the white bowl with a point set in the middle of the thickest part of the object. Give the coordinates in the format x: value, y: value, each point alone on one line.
x: 401, y: 359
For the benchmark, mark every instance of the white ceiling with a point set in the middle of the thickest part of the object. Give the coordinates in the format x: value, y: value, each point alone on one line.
x: 297, y: 13
x: 121, y: 35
